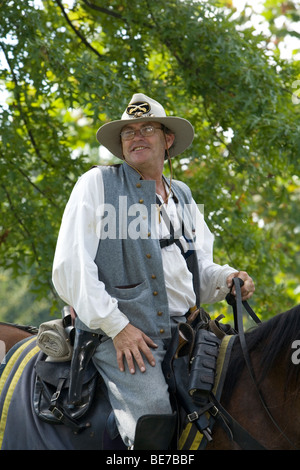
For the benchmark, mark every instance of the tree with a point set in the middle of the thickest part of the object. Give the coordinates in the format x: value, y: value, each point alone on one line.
x: 69, y: 67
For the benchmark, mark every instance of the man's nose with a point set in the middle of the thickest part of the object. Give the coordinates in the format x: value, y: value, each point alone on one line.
x: 137, y: 133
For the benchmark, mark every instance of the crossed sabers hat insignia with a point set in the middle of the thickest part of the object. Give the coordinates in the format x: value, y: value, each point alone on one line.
x: 138, y: 109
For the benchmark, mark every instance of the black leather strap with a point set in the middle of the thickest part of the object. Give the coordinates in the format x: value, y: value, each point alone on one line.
x: 58, y: 411
x: 173, y: 236
x: 232, y: 300
x: 238, y: 433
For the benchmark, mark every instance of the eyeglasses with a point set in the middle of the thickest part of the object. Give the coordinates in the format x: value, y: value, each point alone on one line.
x: 146, y: 131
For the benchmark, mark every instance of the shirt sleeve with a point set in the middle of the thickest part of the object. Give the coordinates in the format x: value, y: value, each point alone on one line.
x: 213, y: 286
x: 75, y: 274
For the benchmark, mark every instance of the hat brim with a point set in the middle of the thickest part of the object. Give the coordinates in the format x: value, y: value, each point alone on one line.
x: 109, y: 134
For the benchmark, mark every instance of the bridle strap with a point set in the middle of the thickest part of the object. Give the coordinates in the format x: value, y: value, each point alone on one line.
x: 232, y: 300
x: 236, y: 432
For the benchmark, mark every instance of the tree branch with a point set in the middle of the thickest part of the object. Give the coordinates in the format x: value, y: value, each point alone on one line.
x: 23, y: 173
x: 77, y: 32
x: 104, y: 10
x: 149, y: 26
x: 21, y: 223
x: 166, y: 42
x: 23, y: 115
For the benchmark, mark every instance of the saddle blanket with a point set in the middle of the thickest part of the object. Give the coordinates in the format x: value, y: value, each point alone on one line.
x: 20, y: 427
x: 16, y: 363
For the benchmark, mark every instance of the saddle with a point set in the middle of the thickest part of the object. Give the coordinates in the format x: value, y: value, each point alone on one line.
x: 64, y: 391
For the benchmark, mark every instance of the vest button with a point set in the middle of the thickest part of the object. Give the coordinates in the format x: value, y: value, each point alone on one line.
x: 148, y: 255
x: 161, y: 331
x: 153, y: 276
x: 138, y: 185
x: 155, y: 292
x: 141, y: 201
x: 159, y: 313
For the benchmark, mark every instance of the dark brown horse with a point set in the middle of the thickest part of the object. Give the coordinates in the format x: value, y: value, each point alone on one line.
x: 274, y: 420
x: 274, y: 348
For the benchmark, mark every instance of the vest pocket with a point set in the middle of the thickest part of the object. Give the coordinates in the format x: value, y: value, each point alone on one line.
x: 136, y: 304
x: 130, y: 286
x: 129, y: 291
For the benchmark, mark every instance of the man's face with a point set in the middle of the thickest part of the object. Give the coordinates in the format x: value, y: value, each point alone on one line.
x: 146, y: 151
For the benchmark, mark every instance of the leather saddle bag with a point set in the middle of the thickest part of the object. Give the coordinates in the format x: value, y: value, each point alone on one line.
x: 51, y: 391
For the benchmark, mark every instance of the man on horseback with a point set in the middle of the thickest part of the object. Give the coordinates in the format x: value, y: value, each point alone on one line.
x: 134, y: 258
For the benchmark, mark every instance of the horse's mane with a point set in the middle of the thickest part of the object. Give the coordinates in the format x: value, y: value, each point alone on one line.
x: 271, y: 340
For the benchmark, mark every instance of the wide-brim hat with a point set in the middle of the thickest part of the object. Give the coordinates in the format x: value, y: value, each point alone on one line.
x: 142, y: 108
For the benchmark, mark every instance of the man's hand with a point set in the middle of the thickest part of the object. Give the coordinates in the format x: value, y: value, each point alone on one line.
x: 248, y: 287
x: 130, y: 343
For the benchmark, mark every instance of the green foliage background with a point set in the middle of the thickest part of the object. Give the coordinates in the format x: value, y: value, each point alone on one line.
x: 68, y: 67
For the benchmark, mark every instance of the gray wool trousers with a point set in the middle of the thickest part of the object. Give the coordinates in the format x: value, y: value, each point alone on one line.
x: 134, y: 395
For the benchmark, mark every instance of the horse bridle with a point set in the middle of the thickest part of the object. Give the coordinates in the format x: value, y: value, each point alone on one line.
x: 237, y: 305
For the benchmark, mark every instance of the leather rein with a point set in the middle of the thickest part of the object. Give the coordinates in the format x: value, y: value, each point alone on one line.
x: 237, y: 305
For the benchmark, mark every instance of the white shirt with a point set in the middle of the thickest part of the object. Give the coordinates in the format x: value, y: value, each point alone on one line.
x: 75, y: 274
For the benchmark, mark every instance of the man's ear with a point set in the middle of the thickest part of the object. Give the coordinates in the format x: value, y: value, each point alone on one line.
x: 169, y: 139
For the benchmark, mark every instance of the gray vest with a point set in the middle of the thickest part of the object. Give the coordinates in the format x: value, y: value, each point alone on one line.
x: 129, y: 257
